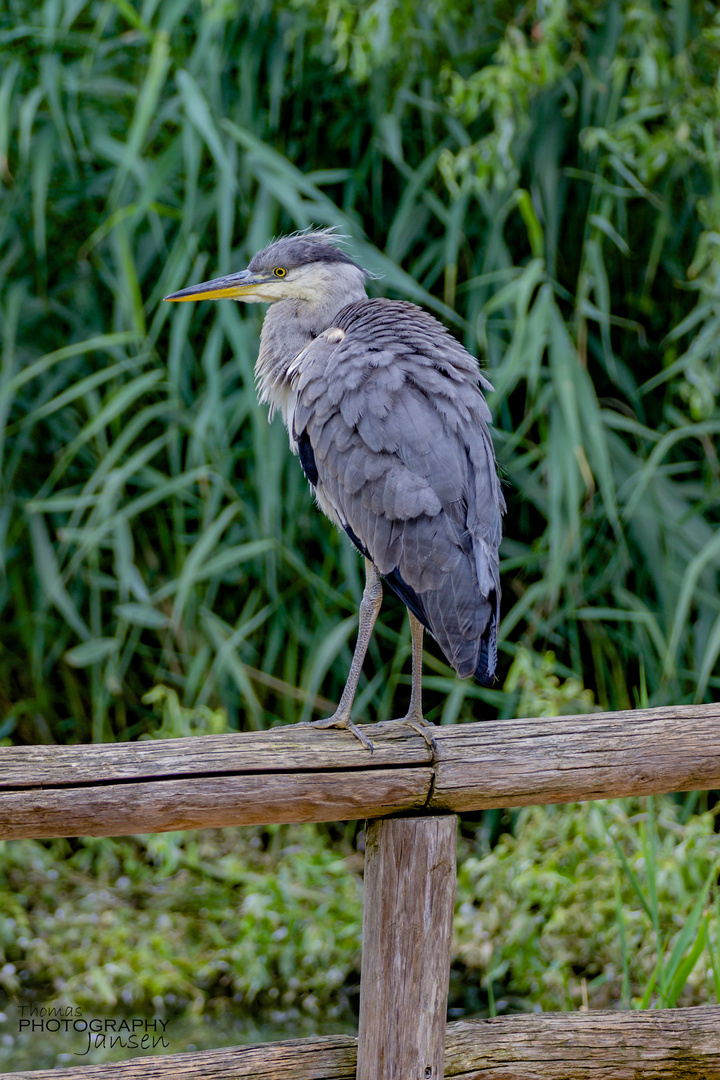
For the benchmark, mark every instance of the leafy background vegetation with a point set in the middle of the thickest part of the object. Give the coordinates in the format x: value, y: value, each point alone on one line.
x: 543, y: 176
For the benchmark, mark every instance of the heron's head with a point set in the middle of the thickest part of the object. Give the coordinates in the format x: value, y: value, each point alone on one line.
x: 308, y: 266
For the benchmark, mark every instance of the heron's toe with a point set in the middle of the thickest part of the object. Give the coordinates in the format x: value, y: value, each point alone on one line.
x: 344, y: 722
x: 423, y: 727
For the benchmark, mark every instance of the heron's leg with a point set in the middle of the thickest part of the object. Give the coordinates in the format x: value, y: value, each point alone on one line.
x: 369, y: 608
x: 415, y: 718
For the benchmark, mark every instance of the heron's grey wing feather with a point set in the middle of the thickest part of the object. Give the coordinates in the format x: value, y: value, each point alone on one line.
x: 405, y: 464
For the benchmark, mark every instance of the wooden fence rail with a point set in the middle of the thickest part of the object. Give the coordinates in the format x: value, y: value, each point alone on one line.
x: 298, y: 774
x: 662, y: 1044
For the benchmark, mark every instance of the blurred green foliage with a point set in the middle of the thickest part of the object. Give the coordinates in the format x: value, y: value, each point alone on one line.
x: 267, y: 921
x: 214, y: 920
x: 541, y: 693
x: 544, y: 176
x: 554, y: 918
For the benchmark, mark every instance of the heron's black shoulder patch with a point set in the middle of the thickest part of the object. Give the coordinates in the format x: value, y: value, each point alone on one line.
x: 401, y: 588
x: 408, y: 596
x: 307, y: 457
x: 357, y: 542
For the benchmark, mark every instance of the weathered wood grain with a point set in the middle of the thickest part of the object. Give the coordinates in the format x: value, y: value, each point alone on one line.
x: 301, y: 774
x: 210, y: 802
x: 409, y: 894
x: 666, y: 1044
x: 332, y: 1057
x: 577, y: 758
x: 295, y: 748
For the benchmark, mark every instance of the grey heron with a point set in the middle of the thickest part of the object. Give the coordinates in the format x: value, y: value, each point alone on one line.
x: 385, y: 410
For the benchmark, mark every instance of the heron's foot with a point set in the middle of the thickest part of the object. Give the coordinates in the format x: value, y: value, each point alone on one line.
x: 424, y: 727
x: 337, y: 720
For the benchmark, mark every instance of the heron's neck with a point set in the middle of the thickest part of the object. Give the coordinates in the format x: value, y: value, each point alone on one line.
x: 288, y: 327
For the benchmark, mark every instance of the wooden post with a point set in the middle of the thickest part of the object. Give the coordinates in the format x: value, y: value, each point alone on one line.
x: 410, y: 870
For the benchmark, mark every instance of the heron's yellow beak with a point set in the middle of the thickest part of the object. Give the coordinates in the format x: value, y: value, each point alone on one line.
x: 233, y: 287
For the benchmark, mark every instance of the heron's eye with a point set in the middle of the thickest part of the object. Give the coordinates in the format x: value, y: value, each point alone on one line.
x: 279, y: 271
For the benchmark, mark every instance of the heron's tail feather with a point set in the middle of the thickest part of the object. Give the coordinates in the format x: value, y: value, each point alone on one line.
x: 461, y: 654
x: 487, y: 659
x: 460, y: 648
